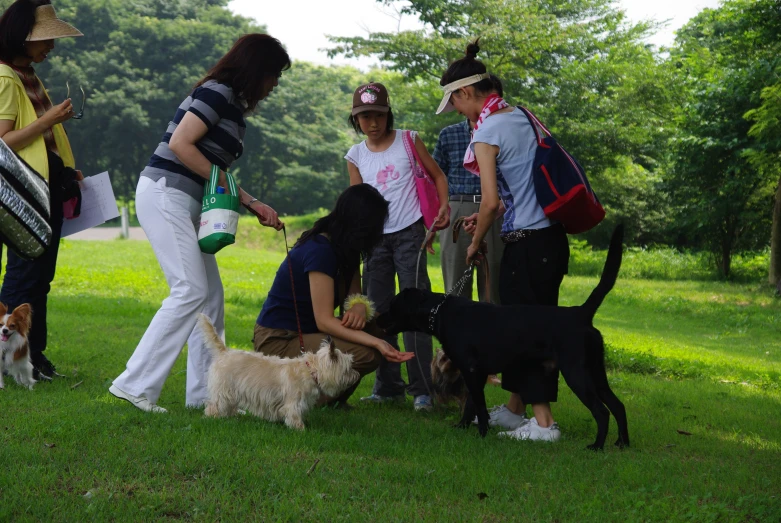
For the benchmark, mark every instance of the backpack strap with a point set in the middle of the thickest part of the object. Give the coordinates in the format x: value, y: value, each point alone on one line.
x: 539, y: 129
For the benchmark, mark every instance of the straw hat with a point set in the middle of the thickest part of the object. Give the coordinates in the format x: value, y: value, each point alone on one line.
x: 48, y: 26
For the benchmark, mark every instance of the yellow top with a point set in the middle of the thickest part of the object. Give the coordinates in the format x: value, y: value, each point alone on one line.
x: 16, y: 106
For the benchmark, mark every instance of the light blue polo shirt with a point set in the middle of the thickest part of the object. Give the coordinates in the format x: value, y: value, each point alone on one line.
x: 517, y: 143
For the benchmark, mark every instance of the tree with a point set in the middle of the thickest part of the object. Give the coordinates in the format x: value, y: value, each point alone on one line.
x: 137, y: 62
x: 764, y: 21
x: 299, y: 138
x: 721, y: 182
x: 767, y: 131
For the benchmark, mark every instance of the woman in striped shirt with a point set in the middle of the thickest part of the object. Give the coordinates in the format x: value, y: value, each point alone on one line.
x: 207, y: 129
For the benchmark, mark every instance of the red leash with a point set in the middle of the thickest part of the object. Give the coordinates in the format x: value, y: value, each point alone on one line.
x: 295, y: 301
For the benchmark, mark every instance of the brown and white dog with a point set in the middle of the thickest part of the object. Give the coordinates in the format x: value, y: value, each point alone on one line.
x: 272, y: 388
x: 14, y: 349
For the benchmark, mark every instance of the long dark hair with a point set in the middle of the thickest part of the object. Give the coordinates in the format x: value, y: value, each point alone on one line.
x: 354, y: 228
x: 468, y: 66
x: 15, y: 26
x: 252, y: 59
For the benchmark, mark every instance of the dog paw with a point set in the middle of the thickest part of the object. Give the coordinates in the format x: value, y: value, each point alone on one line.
x: 295, y: 424
x: 621, y: 443
x: 483, y: 429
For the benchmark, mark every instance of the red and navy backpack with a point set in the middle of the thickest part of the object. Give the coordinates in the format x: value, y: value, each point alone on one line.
x: 561, y: 185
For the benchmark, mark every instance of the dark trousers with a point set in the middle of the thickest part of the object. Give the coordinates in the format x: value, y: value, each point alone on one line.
x: 397, y: 253
x: 29, y: 281
x: 531, y: 274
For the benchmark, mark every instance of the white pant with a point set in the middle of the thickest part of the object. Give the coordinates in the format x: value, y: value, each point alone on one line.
x: 170, y: 220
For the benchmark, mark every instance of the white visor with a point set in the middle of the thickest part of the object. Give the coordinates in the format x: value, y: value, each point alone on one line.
x: 445, y: 106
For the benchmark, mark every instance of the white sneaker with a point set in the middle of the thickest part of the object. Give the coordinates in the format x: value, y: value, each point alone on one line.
x: 491, y: 411
x: 533, y: 432
x: 139, y: 403
x: 501, y: 416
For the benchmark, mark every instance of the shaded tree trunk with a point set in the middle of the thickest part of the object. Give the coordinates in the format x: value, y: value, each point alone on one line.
x: 726, y: 257
x: 726, y: 243
x: 775, y: 242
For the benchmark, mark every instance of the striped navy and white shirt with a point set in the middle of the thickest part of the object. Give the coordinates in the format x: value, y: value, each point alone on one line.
x: 223, y: 113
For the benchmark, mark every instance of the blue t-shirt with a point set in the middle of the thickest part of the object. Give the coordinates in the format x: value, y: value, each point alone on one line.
x: 278, y: 312
x: 517, y: 143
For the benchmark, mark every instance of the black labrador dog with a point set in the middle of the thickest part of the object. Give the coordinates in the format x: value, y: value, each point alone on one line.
x: 482, y: 339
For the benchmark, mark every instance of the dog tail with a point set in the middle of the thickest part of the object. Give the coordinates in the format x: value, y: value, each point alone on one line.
x: 609, y: 273
x: 210, y: 336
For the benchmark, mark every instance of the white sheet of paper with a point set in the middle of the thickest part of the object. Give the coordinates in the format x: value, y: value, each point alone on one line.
x: 98, y: 204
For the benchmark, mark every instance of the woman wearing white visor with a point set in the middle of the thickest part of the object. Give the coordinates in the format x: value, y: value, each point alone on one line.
x: 536, y: 250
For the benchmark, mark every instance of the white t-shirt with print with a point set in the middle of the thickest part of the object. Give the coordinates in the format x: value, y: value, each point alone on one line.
x: 390, y: 172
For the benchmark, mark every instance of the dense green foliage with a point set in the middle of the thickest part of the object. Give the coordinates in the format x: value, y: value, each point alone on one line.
x: 682, y: 144
x: 723, y: 178
x: 139, y: 60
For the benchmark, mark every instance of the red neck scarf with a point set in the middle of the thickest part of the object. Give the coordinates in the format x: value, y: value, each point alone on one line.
x: 492, y: 104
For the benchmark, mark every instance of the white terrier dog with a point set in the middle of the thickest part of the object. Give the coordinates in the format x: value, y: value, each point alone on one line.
x: 272, y: 388
x: 14, y: 349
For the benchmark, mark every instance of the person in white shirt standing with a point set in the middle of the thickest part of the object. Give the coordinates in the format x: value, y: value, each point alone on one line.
x: 382, y: 161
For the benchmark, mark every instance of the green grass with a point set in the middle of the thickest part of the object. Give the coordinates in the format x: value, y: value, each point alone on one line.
x: 699, y: 357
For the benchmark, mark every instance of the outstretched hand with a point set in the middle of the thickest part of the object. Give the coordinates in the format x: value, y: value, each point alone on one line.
x: 391, y: 354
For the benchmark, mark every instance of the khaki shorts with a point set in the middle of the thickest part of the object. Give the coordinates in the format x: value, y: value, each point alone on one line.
x: 284, y: 343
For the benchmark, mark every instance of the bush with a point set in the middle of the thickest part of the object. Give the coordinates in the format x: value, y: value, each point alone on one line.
x: 666, y: 263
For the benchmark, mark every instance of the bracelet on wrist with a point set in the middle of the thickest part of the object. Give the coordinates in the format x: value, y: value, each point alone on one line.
x: 352, y: 299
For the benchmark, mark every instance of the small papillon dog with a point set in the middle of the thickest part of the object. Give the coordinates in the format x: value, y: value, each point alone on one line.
x: 14, y: 349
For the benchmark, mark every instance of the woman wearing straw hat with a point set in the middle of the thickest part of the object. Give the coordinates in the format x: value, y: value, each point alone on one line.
x: 32, y: 126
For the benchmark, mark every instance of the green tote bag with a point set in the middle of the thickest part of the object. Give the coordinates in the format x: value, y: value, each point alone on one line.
x: 219, y: 214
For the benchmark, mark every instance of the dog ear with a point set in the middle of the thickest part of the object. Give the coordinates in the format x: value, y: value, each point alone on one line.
x: 24, y: 309
x: 23, y: 315
x: 331, y: 347
x: 3, y: 309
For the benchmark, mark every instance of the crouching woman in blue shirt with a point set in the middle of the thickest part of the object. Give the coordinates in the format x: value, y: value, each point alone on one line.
x: 326, y: 276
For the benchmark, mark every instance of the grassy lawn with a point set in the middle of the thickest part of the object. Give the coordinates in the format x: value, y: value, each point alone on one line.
x: 698, y: 365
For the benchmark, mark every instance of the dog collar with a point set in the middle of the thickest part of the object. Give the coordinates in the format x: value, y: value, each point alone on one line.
x: 312, y: 373
x: 432, y: 316
x: 457, y: 289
